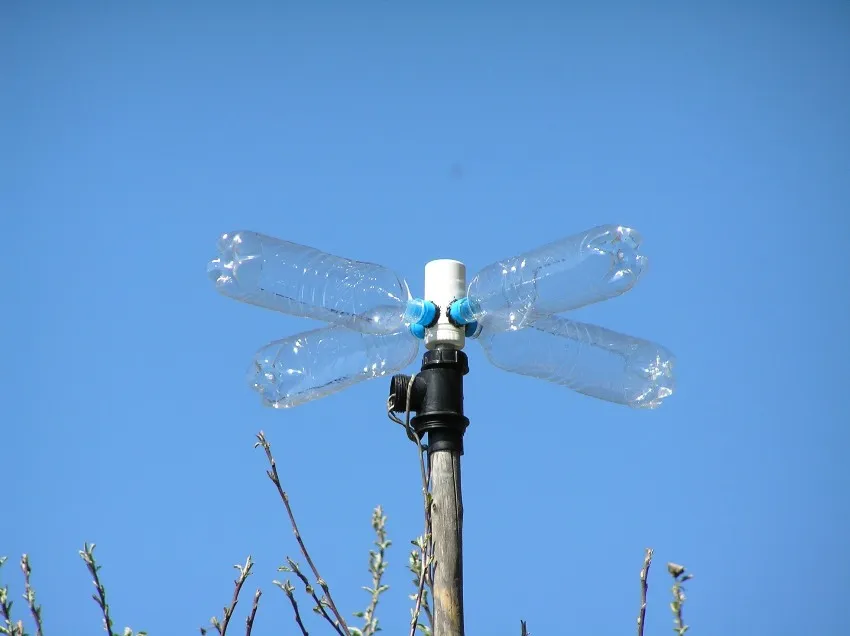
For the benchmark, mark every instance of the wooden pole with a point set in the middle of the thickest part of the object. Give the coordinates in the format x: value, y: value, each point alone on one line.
x: 436, y: 394
x: 447, y: 538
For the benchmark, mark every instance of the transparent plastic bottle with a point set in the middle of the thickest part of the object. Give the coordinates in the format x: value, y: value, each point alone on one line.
x: 303, y: 281
x: 585, y: 358
x: 572, y: 272
x: 318, y: 363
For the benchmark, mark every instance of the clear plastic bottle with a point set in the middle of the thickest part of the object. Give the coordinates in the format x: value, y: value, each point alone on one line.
x: 585, y: 268
x: 585, y: 358
x: 302, y: 281
x: 318, y: 363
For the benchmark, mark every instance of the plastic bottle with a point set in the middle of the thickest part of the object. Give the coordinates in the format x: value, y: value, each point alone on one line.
x: 302, y: 281
x: 585, y: 358
x: 585, y: 268
x: 318, y: 363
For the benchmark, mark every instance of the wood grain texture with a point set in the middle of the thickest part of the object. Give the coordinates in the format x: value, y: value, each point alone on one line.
x: 447, y: 535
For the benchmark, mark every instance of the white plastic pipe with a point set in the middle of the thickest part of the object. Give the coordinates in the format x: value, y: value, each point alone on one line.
x: 445, y: 281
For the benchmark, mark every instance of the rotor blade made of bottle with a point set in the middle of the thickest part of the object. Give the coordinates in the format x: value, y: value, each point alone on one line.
x: 302, y: 281
x: 566, y: 274
x: 314, y: 364
x: 585, y: 358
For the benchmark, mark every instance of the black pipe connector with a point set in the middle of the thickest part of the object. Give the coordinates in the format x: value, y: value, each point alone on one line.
x: 436, y: 396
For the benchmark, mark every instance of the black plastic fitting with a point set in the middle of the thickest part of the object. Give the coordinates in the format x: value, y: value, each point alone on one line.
x: 436, y: 396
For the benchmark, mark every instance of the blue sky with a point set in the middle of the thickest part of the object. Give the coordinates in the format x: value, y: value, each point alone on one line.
x: 133, y: 134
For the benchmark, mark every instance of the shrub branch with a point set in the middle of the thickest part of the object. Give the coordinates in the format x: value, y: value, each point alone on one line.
x: 644, y: 586
x: 273, y: 475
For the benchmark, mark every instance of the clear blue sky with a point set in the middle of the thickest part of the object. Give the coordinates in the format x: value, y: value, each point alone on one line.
x: 133, y: 134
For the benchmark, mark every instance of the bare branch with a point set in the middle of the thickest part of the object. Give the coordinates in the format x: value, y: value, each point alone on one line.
x: 249, y: 622
x: 309, y: 589
x: 273, y: 475
x: 644, y: 586
x: 523, y: 629
x: 244, y: 573
x: 287, y: 588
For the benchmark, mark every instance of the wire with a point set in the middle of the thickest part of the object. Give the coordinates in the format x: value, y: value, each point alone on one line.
x: 411, y: 434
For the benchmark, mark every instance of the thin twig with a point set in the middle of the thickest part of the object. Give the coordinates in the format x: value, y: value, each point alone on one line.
x: 273, y: 475
x: 377, y: 567
x: 87, y: 554
x: 523, y: 629
x: 287, y: 587
x: 429, y: 583
x: 415, y: 566
x: 425, y: 606
x: 249, y: 622
x: 244, y: 573
x: 644, y: 586
x: 5, y: 603
x: 679, y: 577
x: 29, y: 595
x: 309, y: 589
x: 13, y: 629
x: 414, y: 621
